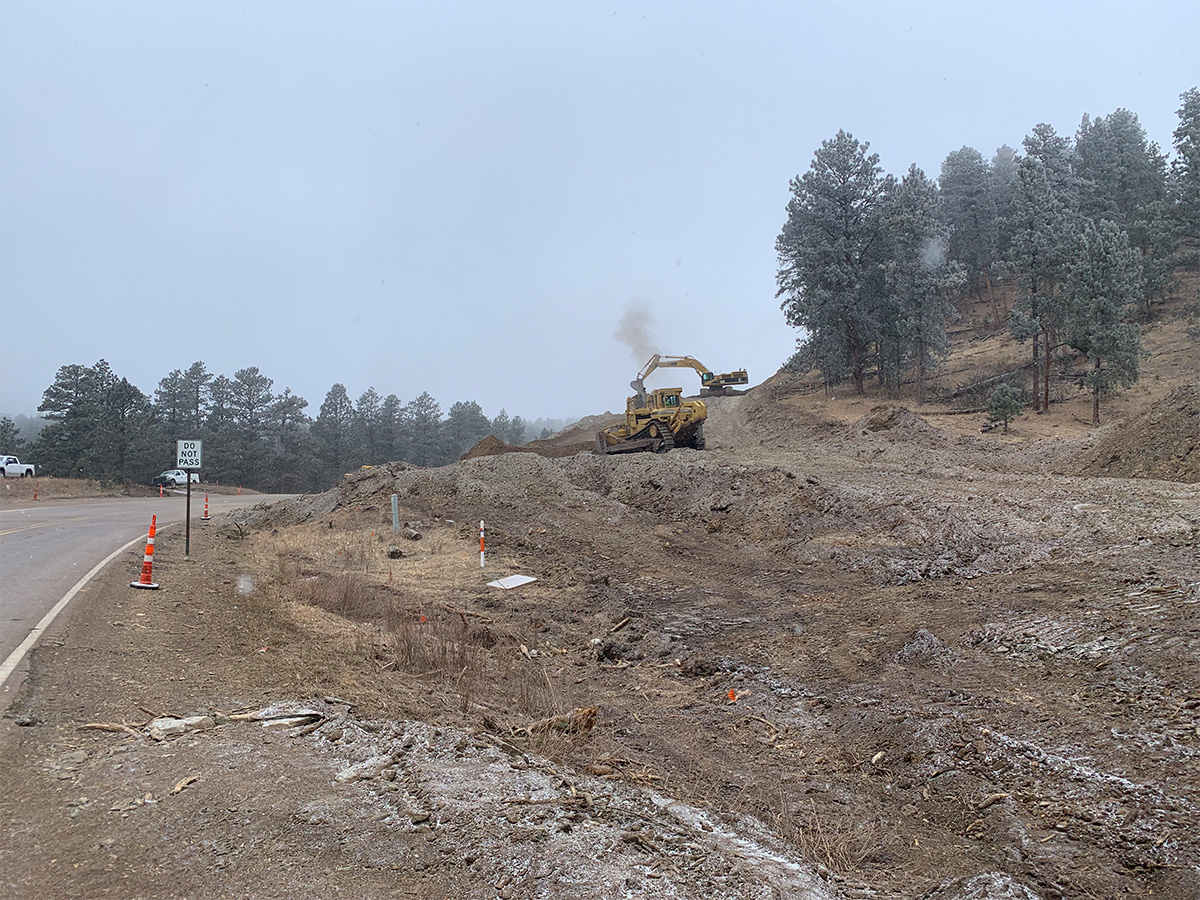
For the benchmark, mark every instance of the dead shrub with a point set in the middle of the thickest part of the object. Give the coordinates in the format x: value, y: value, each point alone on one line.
x: 840, y: 842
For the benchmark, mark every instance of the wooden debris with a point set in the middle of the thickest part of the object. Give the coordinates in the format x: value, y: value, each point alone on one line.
x: 116, y: 727
x: 313, y: 726
x: 184, y: 782
x: 625, y: 621
x: 990, y: 799
x: 578, y: 721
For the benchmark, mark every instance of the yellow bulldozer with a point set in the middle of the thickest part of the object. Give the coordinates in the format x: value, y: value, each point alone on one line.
x: 656, y: 422
x: 662, y: 419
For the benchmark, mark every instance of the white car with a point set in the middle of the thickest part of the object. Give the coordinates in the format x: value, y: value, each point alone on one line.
x: 173, y: 477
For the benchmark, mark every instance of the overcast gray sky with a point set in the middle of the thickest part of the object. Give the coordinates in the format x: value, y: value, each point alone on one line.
x: 463, y: 198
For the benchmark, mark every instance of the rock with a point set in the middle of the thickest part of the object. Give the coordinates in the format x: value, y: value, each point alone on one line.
x: 698, y: 666
x: 364, y: 770
x: 393, y: 552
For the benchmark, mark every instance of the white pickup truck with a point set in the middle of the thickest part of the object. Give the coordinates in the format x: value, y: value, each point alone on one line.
x: 11, y: 467
x: 173, y: 477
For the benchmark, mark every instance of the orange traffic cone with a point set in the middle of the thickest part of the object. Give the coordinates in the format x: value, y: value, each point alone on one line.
x: 160, y: 492
x: 205, y: 517
x: 148, y: 562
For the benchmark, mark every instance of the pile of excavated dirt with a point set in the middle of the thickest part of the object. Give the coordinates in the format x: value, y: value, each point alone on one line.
x: 489, y: 446
x: 899, y: 423
x: 1163, y: 442
x: 553, y: 449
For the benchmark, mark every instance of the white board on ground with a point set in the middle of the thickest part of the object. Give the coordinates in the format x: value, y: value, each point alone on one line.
x: 511, y: 581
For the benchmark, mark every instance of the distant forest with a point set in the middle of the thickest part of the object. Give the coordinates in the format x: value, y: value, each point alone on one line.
x: 1091, y: 230
x: 101, y: 426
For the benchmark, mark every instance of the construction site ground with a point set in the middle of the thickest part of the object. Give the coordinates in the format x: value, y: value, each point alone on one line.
x: 849, y: 651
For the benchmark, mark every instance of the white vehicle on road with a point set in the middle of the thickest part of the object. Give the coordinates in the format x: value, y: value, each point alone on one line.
x: 173, y: 477
x: 11, y: 467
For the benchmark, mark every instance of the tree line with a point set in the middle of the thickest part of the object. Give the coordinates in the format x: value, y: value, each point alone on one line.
x: 1089, y: 229
x: 103, y: 427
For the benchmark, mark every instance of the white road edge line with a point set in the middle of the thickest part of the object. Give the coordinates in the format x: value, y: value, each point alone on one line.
x: 14, y: 658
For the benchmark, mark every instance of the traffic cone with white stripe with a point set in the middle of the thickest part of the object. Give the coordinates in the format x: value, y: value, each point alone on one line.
x: 148, y: 562
x: 205, y: 517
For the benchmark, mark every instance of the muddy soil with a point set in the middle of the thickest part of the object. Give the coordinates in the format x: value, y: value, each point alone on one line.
x: 832, y: 657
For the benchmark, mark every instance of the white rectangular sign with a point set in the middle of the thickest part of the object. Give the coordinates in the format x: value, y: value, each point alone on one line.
x: 187, y: 454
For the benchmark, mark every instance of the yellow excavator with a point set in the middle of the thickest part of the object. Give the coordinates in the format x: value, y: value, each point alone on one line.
x: 661, y: 420
x: 710, y: 384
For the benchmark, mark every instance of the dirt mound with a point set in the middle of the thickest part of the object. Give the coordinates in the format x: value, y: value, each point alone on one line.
x: 489, y: 446
x: 553, y: 448
x: 1163, y: 442
x: 898, y: 421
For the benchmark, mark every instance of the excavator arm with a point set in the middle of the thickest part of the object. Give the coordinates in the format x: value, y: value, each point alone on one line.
x: 709, y: 381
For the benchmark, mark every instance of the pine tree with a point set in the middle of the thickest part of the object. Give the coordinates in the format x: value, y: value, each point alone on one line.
x: 501, y: 425
x: 1004, y: 191
x: 171, y: 403
x: 1123, y: 178
x: 516, y: 431
x: 101, y: 426
x: 1046, y: 219
x: 291, y: 465
x: 250, y: 400
x: 1104, y: 285
x: 197, y: 380
x: 465, y: 426
x: 392, y: 435
x: 1185, y: 179
x: 10, y: 437
x: 426, y: 417
x: 831, y: 260
x: 920, y: 281
x: 969, y: 211
x: 72, y: 406
x: 368, y: 438
x: 333, y: 435
x: 1003, y: 404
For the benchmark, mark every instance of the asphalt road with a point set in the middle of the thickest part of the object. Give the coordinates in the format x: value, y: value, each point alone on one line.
x: 46, y: 548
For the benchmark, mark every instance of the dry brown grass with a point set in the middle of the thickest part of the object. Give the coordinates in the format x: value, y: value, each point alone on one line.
x: 21, y: 490
x: 409, y: 618
x: 839, y: 841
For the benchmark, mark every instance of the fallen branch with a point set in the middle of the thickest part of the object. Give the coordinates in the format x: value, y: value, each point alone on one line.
x: 309, y: 729
x: 116, y: 727
x: 465, y: 612
x: 625, y: 621
x: 578, y: 721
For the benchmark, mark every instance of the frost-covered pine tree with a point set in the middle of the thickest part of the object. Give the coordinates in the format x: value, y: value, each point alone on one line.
x: 1104, y: 285
x: 920, y: 281
x: 1185, y: 178
x: 969, y: 210
x: 1123, y: 178
x: 831, y: 257
x: 1046, y: 217
x: 1004, y: 189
